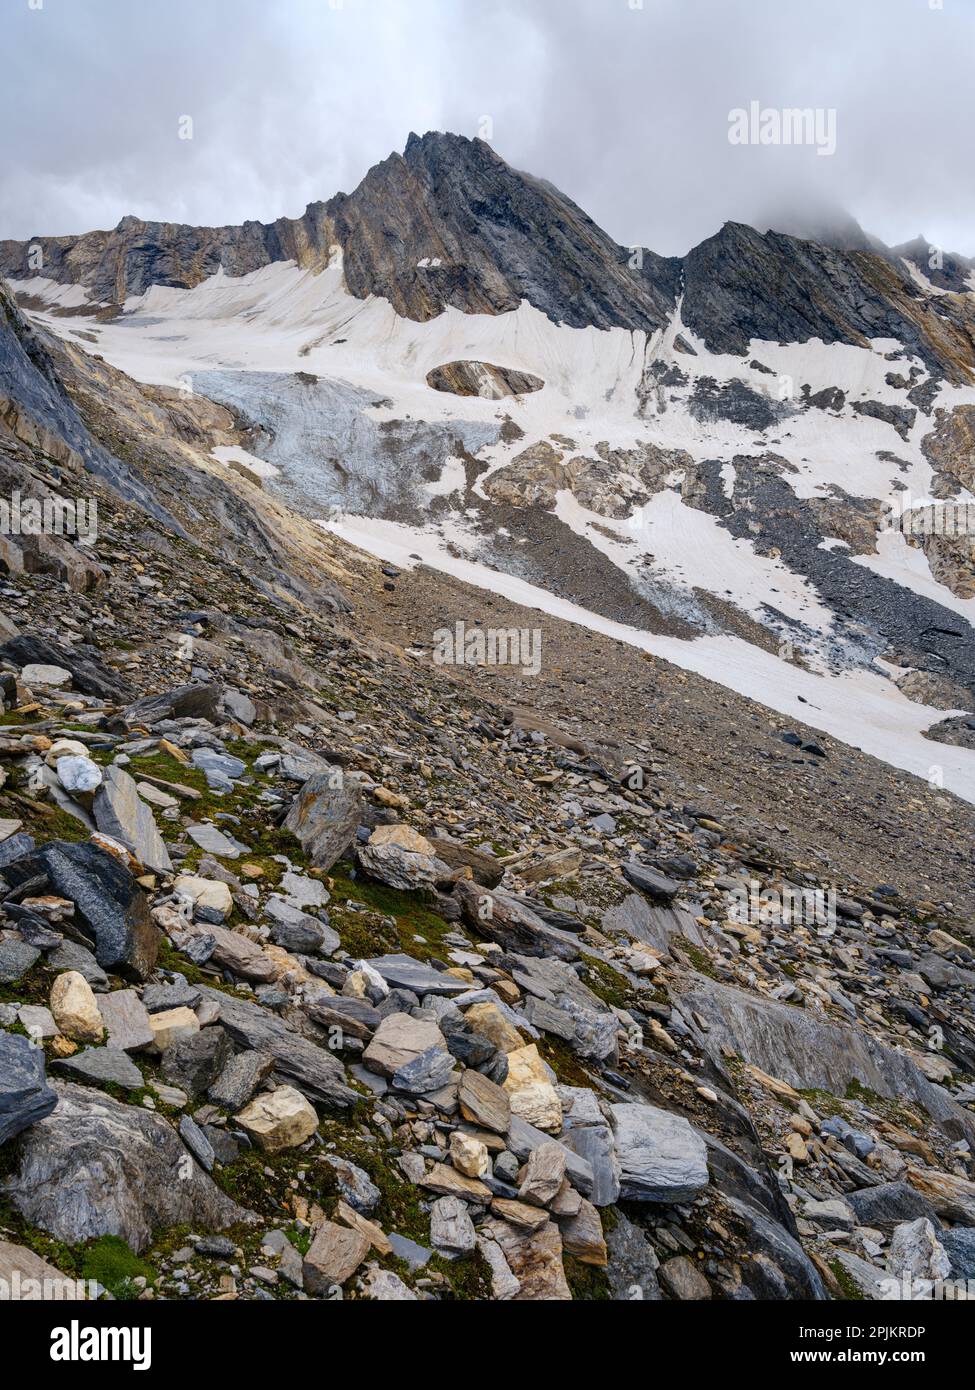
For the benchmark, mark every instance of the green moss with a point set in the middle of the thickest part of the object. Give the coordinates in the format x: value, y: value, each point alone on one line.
x: 588, y: 1283
x: 611, y: 987
x: 563, y: 1061
x: 699, y: 959
x: 395, y: 922
x: 110, y: 1261
x: 848, y: 1286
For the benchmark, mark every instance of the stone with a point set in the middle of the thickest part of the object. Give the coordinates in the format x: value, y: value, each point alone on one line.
x: 488, y: 1020
x: 101, y: 1064
x: 112, y: 908
x: 239, y: 706
x: 832, y: 1215
x: 376, y: 1236
x: 469, y: 1155
x: 402, y: 858
x: 220, y: 769
x: 324, y: 816
x: 197, y: 1142
x: 25, y: 1096
x: 17, y: 957
x: 75, y: 1008
x: 191, y: 701
x: 661, y: 1158
x: 207, y: 893
x: 484, y: 1103
x: 917, y: 1253
x: 582, y: 1236
x: 333, y: 1257
x: 656, y: 886
x: 79, y: 776
x: 171, y: 1026
x: 383, y: 1286
x: 52, y: 676
x: 807, y: 1051
x: 313, y: 1069
x: 242, y: 957
x: 519, y: 1214
x: 587, y: 1134
x: 37, y: 1022
x: 100, y: 1167
x: 543, y: 1175
x: 530, y: 1092
x: 683, y: 1280
x: 72, y: 956
x: 952, y: 1197
x: 401, y: 1039
x: 357, y: 1188
x: 447, y: 1182
x: 126, y: 1020
x: 120, y: 812
x: 534, y: 1259
x: 633, y: 1263
x: 504, y: 1285
x: 415, y: 1256
x: 176, y: 993
x: 888, y: 1205
x: 193, y: 1062
x: 429, y: 1071
x: 404, y: 972
x: 960, y: 1247
x: 156, y: 797
x: 451, y: 1228
x: 280, y: 1119
x: 240, y: 1078
x: 213, y: 841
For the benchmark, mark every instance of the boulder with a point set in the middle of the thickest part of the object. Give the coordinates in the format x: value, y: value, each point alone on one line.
x: 89, y: 674
x: 25, y: 1096
x: 484, y: 1103
x: 530, y: 1091
x: 75, y: 1008
x: 543, y: 1174
x: 404, y: 972
x: 534, y: 1258
x: 110, y: 907
x: 451, y: 1229
x: 324, y: 816
x: 661, y: 1158
x: 917, y: 1253
x: 121, y: 813
x: 99, y: 1065
x: 240, y: 1078
x: 197, y: 701
x: 99, y: 1167
x: 207, y: 893
x: 171, y: 1026
x: 401, y: 857
x: 333, y: 1257
x: 126, y: 1020
x: 399, y: 1040
x: 242, y: 957
x: 888, y: 1204
x: 280, y: 1119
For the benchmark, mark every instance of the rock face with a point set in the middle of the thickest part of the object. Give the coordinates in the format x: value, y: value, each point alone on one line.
x: 661, y: 1157
x: 25, y: 1096
x: 98, y: 1167
x: 324, y: 817
x: 810, y: 1052
x: 113, y: 909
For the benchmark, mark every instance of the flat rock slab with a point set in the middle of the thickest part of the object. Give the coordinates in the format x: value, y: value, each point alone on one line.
x: 334, y: 1256
x: 661, y: 1157
x: 120, y: 812
x: 214, y: 841
x: 482, y: 1102
x: 25, y: 1096
x: 126, y: 1020
x: 656, y: 885
x: 406, y: 973
x: 99, y: 1167
x: 399, y: 1040
x: 35, y: 1279
x: 101, y: 1064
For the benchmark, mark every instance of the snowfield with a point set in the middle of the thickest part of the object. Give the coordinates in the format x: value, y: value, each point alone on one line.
x: 360, y: 430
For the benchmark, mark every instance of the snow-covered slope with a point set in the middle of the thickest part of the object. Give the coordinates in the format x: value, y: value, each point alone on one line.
x: 728, y: 510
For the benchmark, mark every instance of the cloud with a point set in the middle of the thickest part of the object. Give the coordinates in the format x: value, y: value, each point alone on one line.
x: 624, y: 106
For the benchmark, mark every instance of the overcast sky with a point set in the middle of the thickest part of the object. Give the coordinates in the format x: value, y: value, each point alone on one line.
x: 623, y: 106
